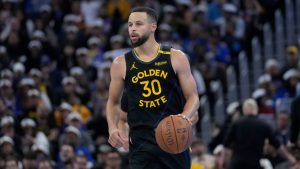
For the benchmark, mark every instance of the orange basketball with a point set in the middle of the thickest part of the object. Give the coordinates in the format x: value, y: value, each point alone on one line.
x: 173, y: 134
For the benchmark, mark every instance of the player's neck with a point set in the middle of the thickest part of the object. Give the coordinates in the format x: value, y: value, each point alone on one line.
x: 147, y: 50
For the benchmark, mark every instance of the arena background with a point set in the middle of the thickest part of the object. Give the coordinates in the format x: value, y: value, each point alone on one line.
x: 55, y: 58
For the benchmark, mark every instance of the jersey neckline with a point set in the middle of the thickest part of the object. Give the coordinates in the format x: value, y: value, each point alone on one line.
x: 136, y: 55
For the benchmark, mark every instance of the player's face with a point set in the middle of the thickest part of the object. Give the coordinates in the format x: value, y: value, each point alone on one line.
x: 140, y: 28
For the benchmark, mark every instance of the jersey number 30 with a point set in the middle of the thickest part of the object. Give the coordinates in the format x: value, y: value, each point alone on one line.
x: 154, y: 87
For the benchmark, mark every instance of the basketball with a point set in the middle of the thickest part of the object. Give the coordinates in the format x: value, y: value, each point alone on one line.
x: 173, y: 134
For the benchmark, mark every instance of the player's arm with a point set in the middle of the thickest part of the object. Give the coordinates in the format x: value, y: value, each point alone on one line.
x: 123, y: 125
x: 195, y: 118
x: 182, y: 68
x: 124, y: 128
x: 117, y: 73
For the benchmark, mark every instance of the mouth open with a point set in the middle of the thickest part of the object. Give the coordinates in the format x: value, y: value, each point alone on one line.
x: 134, y: 35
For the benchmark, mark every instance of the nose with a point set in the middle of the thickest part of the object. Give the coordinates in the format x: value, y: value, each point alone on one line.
x: 132, y: 29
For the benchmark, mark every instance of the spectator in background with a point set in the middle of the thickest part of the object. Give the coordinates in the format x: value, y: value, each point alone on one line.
x: 200, y: 14
x: 194, y: 38
x: 4, y: 111
x: 41, y: 86
x: 270, y: 153
x: 289, y: 88
x: 66, y: 156
x: 67, y: 56
x: 7, y: 146
x: 295, y: 121
x: 234, y: 112
x: 11, y: 162
x: 32, y: 136
x: 22, y: 103
x: 165, y: 33
x: 4, y: 58
x: 70, y: 136
x: 217, y: 153
x: 113, y: 160
x: 231, y: 16
x: 218, y: 55
x: 29, y: 161
x: 272, y: 68
x: 32, y: 101
x: 97, y: 29
x: 40, y: 151
x: 292, y: 58
x: 118, y: 10
x: 73, y: 137
x: 200, y: 156
x: 15, y: 40
x: 7, y: 98
x: 246, y: 138
x: 39, y: 35
x: 35, y: 54
x: 61, y: 114
x: 69, y: 85
x: 296, y: 152
x: 104, y: 74
x: 45, y: 164
x: 101, y: 155
x: 83, y: 83
x: 282, y: 128
x: 7, y: 74
x: 2, y: 161
x: 168, y: 15
x: 18, y: 69
x: 96, y: 51
x: 48, y: 33
x: 74, y: 119
x: 98, y: 125
x: 79, y: 107
x: 80, y: 162
x: 46, y: 123
x: 265, y: 106
x: 89, y: 10
x: 85, y: 63
x: 117, y: 47
x: 265, y: 82
x: 99, y: 96
x: 8, y: 132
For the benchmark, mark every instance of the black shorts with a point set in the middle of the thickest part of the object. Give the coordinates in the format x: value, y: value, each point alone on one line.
x: 145, y: 154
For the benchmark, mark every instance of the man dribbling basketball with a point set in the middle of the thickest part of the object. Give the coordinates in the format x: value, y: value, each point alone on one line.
x: 158, y: 83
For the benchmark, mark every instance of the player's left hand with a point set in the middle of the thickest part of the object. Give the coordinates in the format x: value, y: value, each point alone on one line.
x: 126, y: 141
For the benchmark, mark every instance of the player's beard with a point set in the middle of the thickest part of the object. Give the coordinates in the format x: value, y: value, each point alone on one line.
x: 140, y: 40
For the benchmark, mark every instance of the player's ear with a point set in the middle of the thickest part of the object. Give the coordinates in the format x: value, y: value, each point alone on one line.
x: 153, y: 27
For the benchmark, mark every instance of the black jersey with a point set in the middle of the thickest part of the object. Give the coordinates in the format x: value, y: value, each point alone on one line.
x: 152, y: 89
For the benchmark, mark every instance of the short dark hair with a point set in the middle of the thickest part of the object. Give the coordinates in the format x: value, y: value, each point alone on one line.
x: 149, y: 11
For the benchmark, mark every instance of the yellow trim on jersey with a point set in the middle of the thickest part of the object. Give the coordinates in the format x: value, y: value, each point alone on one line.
x: 138, y: 56
x: 164, y: 52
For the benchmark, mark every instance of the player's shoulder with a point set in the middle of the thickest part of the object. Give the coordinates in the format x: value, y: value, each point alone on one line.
x: 119, y: 64
x: 176, y: 52
x: 119, y: 60
x: 178, y: 55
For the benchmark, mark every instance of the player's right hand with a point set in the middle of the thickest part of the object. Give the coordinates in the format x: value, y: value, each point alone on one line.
x: 115, y: 139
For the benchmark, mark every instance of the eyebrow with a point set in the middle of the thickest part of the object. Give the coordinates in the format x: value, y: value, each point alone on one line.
x: 138, y: 21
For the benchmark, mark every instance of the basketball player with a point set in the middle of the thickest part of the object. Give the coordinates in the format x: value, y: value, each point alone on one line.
x: 158, y: 83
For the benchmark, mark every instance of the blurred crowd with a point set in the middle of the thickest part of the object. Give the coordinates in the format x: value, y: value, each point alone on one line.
x: 55, y: 58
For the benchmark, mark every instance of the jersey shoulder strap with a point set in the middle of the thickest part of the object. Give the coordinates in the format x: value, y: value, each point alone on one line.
x: 165, y: 49
x: 128, y: 59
